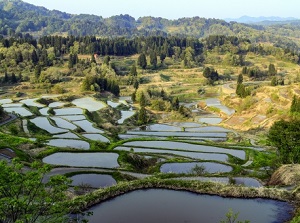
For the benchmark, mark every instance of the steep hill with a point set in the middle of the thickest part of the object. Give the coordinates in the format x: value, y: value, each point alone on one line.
x: 18, y: 16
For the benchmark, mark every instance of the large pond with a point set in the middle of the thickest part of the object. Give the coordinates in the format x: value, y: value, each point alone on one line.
x: 193, y: 155
x: 69, y: 143
x: 93, y: 180
x: 160, y: 205
x: 187, y: 147
x: 104, y: 160
x: 209, y: 167
x: 89, y: 104
x: 214, y: 102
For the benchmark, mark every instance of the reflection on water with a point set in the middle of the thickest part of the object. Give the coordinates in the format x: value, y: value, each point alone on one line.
x: 160, y: 206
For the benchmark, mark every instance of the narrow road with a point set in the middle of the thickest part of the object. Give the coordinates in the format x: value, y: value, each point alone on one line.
x: 12, y: 118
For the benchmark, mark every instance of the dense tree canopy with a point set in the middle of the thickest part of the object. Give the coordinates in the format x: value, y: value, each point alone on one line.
x: 285, y: 136
x: 25, y: 198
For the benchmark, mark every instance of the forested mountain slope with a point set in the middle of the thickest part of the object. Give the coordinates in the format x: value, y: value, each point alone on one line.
x: 18, y: 16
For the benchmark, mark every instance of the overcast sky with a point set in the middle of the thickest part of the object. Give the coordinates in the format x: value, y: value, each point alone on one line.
x: 173, y: 9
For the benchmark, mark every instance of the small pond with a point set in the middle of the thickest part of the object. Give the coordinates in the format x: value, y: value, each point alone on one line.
x: 68, y: 111
x: 96, y: 137
x: 125, y: 115
x: 65, y: 143
x: 187, y: 167
x: 87, y: 126
x: 201, y: 156
x: 188, y: 147
x: 211, y: 121
x: 93, y: 180
x: 43, y: 123
x: 31, y: 102
x: 62, y: 123
x: 102, y: 160
x: 19, y: 110
x: 161, y: 205
x: 89, y: 104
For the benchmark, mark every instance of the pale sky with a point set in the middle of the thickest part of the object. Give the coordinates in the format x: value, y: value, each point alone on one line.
x: 173, y: 9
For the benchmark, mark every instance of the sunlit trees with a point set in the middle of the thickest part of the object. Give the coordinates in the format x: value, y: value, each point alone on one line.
x: 25, y: 198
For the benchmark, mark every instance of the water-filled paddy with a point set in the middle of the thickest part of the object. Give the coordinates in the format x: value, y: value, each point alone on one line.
x: 188, y: 167
x: 187, y: 147
x: 96, y: 137
x: 89, y: 104
x: 44, y: 111
x: 31, y: 102
x: 87, y: 126
x: 214, y: 102
x: 160, y: 205
x: 183, y: 134
x: 73, y: 117
x: 5, y: 101
x: 18, y: 110
x: 62, y: 123
x: 68, y: 135
x: 211, y: 121
x: 56, y: 104
x: 93, y: 180
x: 193, y: 155
x: 159, y: 127
x: 102, y: 160
x: 68, y: 111
x: 43, y: 123
x: 125, y: 115
x: 12, y: 105
x: 65, y: 143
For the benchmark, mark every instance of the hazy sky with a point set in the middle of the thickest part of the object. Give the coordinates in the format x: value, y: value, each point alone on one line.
x: 173, y: 9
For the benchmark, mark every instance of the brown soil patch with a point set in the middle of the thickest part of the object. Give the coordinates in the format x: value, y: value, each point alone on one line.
x: 286, y: 175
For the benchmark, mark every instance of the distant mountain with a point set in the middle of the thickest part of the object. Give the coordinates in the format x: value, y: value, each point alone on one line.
x: 18, y: 16
x: 249, y: 19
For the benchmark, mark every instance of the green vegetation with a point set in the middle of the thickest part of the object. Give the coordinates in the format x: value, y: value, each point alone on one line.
x: 25, y: 198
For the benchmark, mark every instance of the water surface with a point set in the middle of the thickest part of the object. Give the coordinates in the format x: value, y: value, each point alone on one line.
x: 93, y: 180
x: 69, y: 143
x: 193, y: 155
x: 87, y: 126
x: 89, y: 104
x: 18, y: 110
x: 43, y: 123
x: 186, y: 146
x: 104, y: 160
x: 96, y: 137
x: 188, y: 167
x: 161, y: 206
